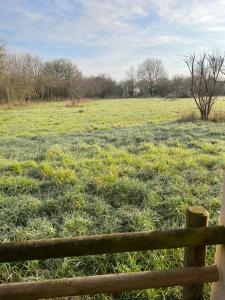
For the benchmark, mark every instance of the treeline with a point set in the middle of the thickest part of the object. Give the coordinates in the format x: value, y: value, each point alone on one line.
x: 25, y: 78
x: 151, y: 79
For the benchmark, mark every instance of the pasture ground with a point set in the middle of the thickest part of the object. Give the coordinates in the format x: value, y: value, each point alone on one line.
x: 107, y: 166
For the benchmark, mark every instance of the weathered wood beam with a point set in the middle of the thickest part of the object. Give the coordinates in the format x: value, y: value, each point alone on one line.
x: 111, y: 283
x: 111, y: 243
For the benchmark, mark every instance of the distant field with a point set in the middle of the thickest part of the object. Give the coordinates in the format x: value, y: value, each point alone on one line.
x: 106, y: 166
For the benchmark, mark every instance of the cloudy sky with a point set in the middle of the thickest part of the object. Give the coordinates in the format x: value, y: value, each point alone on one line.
x: 112, y: 35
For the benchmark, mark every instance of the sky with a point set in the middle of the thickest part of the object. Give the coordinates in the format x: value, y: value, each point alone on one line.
x: 110, y: 36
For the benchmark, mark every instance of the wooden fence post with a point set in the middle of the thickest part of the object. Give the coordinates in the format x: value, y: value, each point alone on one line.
x: 218, y: 288
x: 196, y: 217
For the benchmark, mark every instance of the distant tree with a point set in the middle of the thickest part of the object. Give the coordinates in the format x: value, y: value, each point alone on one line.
x: 130, y: 82
x: 21, y: 78
x: 149, y: 74
x: 76, y: 88
x: 163, y: 87
x: 32, y: 68
x: 101, y: 86
x: 15, y: 80
x: 2, y: 70
x: 143, y: 87
x: 2, y: 56
x: 60, y: 76
x: 106, y: 86
x: 180, y: 86
x: 62, y: 69
x: 206, y: 72
x: 177, y: 85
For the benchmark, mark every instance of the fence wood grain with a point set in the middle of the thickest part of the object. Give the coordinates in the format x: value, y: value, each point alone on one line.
x: 111, y: 243
x: 111, y: 283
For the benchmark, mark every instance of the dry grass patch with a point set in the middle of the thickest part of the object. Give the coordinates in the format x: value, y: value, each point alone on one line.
x: 190, y: 116
x: 77, y: 102
x: 217, y: 116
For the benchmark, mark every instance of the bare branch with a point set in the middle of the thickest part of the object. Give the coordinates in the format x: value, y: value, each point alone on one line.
x: 206, y: 72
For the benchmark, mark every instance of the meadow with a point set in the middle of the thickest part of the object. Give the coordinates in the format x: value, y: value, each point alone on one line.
x: 106, y: 166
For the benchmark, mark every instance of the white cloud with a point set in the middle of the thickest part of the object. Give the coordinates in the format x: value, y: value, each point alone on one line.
x: 203, y: 13
x: 120, y: 32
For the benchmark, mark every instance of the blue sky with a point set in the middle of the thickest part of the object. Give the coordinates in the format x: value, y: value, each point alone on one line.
x: 112, y: 35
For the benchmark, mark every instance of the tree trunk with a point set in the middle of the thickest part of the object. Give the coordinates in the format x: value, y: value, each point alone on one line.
x: 204, y: 114
x: 151, y: 90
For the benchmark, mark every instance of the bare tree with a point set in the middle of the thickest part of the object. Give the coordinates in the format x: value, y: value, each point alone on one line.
x: 14, y: 79
x: 76, y: 88
x: 149, y: 72
x: 180, y: 86
x: 130, y: 82
x: 101, y: 86
x: 2, y: 55
x: 60, y: 77
x: 163, y: 87
x: 2, y: 69
x: 25, y: 77
x: 20, y: 77
x: 206, y: 79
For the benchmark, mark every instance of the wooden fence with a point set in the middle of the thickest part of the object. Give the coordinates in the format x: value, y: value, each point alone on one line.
x: 195, y: 237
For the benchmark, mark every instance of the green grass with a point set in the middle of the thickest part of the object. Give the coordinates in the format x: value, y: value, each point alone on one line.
x: 108, y: 166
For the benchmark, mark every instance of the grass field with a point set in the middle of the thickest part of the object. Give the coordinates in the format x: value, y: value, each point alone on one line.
x: 107, y: 166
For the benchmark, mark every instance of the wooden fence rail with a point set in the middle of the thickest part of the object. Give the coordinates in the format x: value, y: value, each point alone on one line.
x: 107, y: 283
x: 111, y: 243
